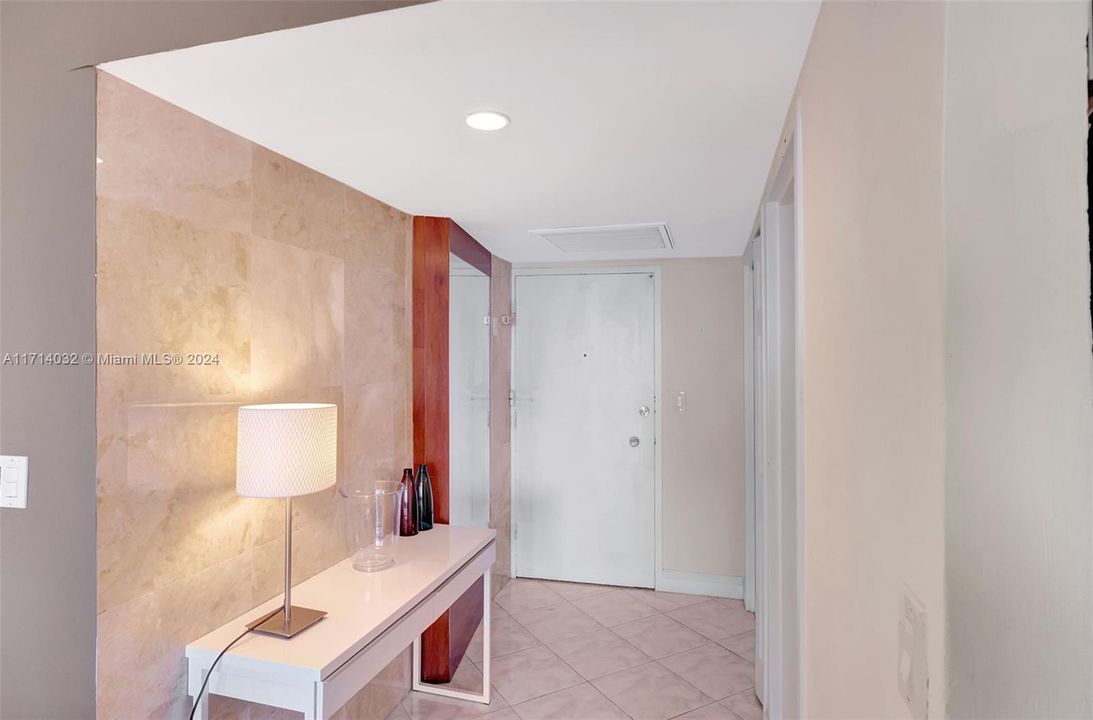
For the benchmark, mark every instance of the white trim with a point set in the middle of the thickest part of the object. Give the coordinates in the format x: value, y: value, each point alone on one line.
x: 658, y: 453
x: 798, y: 363
x: 756, y: 257
x: 691, y: 583
x: 586, y: 270
x: 750, y: 559
x: 560, y: 232
x: 770, y: 617
x: 783, y: 696
x: 655, y: 271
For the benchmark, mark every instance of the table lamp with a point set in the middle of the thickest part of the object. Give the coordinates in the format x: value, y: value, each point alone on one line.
x: 284, y: 451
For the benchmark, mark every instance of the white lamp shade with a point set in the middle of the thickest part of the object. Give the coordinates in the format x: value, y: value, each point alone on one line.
x: 286, y: 450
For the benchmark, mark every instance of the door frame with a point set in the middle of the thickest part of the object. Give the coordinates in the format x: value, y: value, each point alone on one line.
x: 782, y: 639
x: 751, y: 549
x: 655, y: 272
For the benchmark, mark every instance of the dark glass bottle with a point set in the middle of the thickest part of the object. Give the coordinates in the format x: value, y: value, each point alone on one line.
x: 407, y: 521
x: 424, y: 491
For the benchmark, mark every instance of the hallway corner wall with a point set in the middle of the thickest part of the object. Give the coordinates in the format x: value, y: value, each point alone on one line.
x: 1019, y: 504
x: 873, y: 276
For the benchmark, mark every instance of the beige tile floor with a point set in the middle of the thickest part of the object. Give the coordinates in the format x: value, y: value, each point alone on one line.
x: 563, y: 651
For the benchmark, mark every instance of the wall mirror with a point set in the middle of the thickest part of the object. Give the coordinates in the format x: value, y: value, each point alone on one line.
x: 468, y: 394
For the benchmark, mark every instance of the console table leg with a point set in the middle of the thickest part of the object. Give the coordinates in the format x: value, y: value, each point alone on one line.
x: 484, y: 697
x: 202, y: 702
x: 416, y: 663
x: 487, y: 638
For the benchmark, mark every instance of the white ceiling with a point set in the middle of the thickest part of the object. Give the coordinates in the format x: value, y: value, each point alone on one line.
x: 622, y: 112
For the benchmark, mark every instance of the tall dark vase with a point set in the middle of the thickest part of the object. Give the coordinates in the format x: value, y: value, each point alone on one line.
x: 424, y: 490
x: 408, y: 506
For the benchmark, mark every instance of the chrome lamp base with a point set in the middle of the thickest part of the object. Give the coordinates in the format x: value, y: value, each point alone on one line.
x: 300, y: 619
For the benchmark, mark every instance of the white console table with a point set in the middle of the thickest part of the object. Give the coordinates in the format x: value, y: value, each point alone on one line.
x: 371, y: 618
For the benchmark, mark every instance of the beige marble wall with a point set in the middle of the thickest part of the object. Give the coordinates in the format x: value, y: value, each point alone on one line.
x: 501, y: 421
x: 299, y: 287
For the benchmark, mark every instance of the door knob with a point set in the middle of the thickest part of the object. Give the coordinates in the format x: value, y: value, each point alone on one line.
x: 643, y: 410
x: 634, y: 442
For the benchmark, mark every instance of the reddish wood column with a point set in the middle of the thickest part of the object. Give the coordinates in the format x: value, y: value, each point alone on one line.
x: 445, y: 642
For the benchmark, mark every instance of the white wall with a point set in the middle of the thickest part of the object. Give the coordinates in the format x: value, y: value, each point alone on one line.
x: 1020, y: 402
x: 948, y: 377
x: 873, y: 263
x: 702, y: 325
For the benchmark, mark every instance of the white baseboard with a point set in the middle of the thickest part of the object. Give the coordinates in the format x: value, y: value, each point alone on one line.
x: 678, y: 581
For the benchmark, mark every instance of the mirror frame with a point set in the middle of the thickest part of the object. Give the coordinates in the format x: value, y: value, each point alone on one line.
x: 434, y: 238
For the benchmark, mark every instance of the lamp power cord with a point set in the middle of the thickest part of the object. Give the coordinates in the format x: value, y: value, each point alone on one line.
x: 209, y: 674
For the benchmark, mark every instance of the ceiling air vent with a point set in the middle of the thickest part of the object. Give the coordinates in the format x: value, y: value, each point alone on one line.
x: 608, y: 238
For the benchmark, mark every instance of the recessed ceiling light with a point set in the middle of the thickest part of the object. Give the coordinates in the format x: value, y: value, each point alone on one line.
x: 98, y: 161
x: 487, y: 120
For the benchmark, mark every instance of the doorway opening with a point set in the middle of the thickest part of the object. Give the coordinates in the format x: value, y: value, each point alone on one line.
x: 773, y: 312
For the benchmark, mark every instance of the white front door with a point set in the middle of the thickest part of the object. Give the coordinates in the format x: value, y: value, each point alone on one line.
x: 584, y: 455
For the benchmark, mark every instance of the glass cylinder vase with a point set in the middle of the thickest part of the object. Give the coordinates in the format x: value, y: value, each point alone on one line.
x: 373, y: 514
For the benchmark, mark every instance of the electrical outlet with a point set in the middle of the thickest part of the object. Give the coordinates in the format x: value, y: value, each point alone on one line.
x: 912, y: 672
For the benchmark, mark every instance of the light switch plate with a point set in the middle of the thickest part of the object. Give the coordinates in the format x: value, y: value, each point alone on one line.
x: 913, y: 677
x: 13, y: 481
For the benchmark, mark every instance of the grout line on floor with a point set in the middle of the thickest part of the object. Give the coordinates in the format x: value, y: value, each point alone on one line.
x: 585, y: 681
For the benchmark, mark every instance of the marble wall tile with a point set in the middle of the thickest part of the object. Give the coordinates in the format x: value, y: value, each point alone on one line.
x: 501, y: 420
x: 174, y: 510
x: 166, y: 286
x: 297, y: 317
x: 381, y: 696
x: 375, y: 429
x: 370, y: 351
x: 293, y: 204
x: 210, y: 244
x: 140, y: 649
x: 374, y: 702
x: 378, y: 230
x: 143, y: 140
x: 502, y: 568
